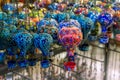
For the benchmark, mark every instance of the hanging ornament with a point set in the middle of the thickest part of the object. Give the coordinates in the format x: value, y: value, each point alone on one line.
x: 23, y: 41
x: 43, y: 42
x: 70, y: 36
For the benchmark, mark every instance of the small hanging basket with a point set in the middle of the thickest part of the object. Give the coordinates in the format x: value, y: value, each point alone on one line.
x: 23, y: 63
x: 70, y: 66
x: 104, y: 39
x: 45, y: 64
x: 11, y: 64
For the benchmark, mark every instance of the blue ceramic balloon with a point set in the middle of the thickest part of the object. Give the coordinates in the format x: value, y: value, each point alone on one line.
x: 43, y: 42
x: 23, y: 41
x: 105, y: 20
x: 45, y: 64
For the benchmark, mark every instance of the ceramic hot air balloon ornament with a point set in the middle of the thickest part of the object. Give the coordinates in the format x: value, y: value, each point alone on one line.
x: 43, y: 41
x: 23, y: 41
x: 68, y: 29
x: 105, y: 20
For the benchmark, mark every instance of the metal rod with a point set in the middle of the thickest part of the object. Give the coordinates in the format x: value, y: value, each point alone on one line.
x: 28, y: 78
x: 90, y: 58
x: 104, y: 48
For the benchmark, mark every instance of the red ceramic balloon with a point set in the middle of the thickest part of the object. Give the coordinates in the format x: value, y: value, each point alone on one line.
x: 70, y: 36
